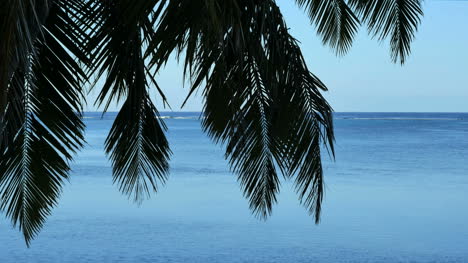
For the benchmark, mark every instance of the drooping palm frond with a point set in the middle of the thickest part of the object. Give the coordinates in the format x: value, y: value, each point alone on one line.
x: 136, y: 144
x: 335, y: 21
x: 261, y: 101
x: 394, y: 19
x: 304, y: 123
x: 20, y: 24
x: 48, y: 94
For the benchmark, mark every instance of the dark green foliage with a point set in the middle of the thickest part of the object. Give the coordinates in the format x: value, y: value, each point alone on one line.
x: 261, y: 101
x: 335, y: 21
x: 396, y: 19
x: 44, y: 113
x: 20, y: 23
x: 136, y: 144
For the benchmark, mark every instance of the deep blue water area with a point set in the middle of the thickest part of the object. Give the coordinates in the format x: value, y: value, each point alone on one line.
x: 396, y: 192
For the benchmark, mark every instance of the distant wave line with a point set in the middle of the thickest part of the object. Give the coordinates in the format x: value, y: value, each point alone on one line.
x: 160, y: 117
x: 336, y: 118
x: 181, y: 118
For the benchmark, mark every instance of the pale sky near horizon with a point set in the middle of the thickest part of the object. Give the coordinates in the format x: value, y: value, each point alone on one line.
x: 434, y: 78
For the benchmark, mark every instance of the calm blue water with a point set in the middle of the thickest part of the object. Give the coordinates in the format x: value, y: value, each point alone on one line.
x: 398, y: 192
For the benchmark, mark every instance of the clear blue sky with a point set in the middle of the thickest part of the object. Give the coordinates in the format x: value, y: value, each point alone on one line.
x: 434, y: 79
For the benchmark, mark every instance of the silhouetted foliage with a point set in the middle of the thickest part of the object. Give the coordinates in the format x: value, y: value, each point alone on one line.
x: 260, y: 99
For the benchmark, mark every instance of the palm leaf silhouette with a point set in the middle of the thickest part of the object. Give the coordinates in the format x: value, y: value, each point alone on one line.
x: 45, y: 100
x: 395, y: 19
x: 260, y: 99
x: 335, y: 21
x: 21, y: 23
x: 136, y: 143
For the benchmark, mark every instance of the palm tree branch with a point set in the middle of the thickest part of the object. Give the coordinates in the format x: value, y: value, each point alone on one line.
x: 394, y: 19
x: 335, y: 22
x: 136, y: 143
x: 48, y: 94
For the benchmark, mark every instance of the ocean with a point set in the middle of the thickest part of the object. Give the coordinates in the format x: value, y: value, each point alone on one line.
x: 397, y: 192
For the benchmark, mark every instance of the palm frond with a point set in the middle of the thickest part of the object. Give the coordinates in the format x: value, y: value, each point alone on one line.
x: 136, y: 144
x: 247, y: 129
x: 335, y: 21
x: 394, y: 19
x: 138, y: 148
x: 20, y: 24
x: 255, y: 79
x: 48, y: 94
